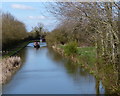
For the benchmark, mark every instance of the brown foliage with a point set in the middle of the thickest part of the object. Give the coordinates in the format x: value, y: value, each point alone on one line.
x: 12, y: 30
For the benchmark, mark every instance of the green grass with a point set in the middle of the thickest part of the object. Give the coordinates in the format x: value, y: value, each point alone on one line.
x: 87, y: 55
x: 61, y: 46
x: 84, y: 51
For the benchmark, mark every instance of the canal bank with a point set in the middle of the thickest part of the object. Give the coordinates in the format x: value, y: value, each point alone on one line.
x: 9, y: 66
x: 10, y: 63
x: 86, y: 58
x: 76, y: 58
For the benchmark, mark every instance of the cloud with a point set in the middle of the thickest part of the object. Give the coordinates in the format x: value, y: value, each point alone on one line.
x: 20, y: 6
x: 36, y: 17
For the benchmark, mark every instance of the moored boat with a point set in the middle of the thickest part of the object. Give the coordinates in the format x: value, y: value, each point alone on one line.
x: 36, y: 44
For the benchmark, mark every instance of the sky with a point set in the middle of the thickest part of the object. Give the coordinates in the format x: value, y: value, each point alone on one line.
x: 31, y: 13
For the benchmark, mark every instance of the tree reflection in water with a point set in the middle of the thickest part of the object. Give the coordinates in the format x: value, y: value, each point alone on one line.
x: 75, y: 71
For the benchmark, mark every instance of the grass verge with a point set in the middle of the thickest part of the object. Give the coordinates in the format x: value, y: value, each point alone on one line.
x: 86, y: 57
x: 16, y: 49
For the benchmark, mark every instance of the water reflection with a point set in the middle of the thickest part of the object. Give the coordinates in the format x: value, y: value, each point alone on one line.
x: 76, y: 72
x: 50, y: 73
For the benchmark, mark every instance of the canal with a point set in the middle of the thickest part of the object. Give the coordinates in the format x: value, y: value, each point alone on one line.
x: 46, y: 72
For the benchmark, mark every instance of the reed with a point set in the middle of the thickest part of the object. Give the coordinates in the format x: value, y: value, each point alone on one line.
x: 9, y: 66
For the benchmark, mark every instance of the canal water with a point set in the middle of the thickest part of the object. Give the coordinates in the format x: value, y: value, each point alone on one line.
x: 46, y: 72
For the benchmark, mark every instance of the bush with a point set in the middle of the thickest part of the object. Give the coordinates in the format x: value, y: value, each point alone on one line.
x: 71, y: 48
x: 56, y: 37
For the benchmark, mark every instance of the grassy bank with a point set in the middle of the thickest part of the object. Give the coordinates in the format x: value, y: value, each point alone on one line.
x: 9, y: 63
x: 86, y: 57
x: 13, y: 51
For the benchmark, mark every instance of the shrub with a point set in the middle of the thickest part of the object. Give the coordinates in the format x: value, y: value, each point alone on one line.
x: 71, y: 48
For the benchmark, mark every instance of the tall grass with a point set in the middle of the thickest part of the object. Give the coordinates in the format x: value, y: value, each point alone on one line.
x: 9, y: 66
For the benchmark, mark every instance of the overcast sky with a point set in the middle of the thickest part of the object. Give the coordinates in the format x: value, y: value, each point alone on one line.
x: 31, y: 13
